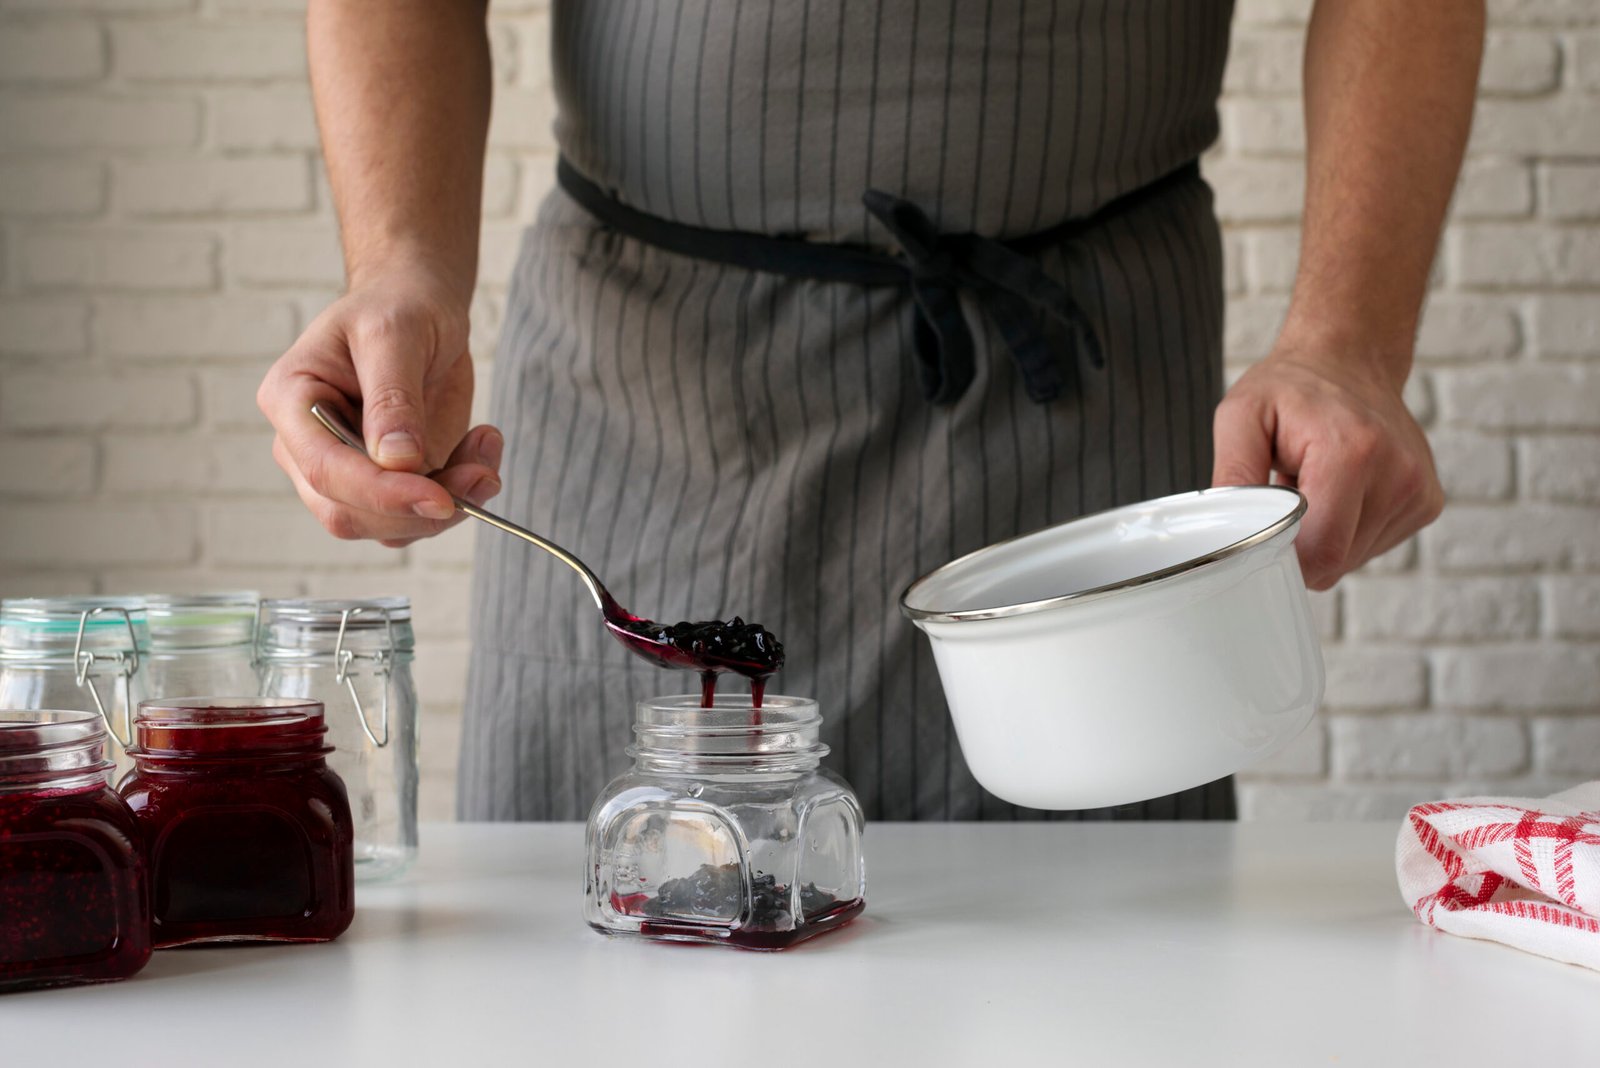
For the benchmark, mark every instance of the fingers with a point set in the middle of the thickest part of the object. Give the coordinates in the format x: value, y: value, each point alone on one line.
x: 473, y: 470
x: 1335, y: 487
x: 347, y: 522
x: 1417, y: 501
x: 1352, y: 449
x: 473, y: 475
x: 1243, y: 442
x: 331, y: 469
x: 390, y: 353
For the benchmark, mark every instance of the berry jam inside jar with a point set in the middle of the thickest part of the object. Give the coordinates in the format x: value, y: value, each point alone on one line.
x: 73, y: 906
x: 248, y: 832
x: 727, y: 830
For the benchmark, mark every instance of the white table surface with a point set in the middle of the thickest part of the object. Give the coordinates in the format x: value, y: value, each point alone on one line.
x: 995, y: 944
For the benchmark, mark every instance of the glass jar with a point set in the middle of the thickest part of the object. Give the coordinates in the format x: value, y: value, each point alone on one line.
x: 73, y: 905
x: 74, y: 653
x: 247, y: 830
x: 355, y: 657
x: 200, y: 643
x: 727, y: 829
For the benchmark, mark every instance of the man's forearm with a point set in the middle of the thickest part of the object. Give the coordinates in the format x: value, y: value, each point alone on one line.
x: 402, y: 93
x: 1388, y: 101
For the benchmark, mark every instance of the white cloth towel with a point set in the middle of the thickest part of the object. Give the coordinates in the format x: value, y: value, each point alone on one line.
x: 1516, y: 870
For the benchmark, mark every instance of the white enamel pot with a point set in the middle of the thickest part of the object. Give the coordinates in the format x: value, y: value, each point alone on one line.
x: 1129, y: 654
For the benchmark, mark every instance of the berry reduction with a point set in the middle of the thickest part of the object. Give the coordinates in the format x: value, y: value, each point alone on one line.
x: 73, y: 907
x: 716, y: 890
x: 249, y: 833
x: 709, y: 648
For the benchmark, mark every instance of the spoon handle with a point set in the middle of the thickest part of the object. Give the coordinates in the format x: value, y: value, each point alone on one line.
x: 336, y: 427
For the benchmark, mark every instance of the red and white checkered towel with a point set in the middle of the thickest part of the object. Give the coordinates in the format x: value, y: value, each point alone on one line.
x: 1509, y: 869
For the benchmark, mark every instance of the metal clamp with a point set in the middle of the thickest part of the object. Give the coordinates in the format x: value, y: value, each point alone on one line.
x: 127, y: 663
x: 255, y: 638
x: 381, y: 660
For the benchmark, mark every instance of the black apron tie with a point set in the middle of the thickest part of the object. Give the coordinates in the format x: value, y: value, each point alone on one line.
x: 1016, y: 294
x: 1028, y: 307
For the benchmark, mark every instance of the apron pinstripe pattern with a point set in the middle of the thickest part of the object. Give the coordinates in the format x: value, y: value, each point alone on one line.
x: 715, y: 440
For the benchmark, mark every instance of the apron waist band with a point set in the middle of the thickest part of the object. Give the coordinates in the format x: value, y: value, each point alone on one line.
x: 1025, y: 304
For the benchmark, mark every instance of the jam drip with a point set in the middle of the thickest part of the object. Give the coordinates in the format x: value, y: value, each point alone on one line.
x: 716, y: 891
x: 73, y: 907
x: 709, y: 648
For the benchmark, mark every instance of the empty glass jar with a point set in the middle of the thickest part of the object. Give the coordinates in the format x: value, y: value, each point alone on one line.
x: 73, y: 901
x: 727, y: 829
x: 200, y: 644
x: 74, y: 653
x: 355, y: 657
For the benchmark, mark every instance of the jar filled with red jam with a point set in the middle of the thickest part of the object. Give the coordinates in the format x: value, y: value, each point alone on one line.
x: 73, y: 904
x: 247, y: 831
x: 727, y: 830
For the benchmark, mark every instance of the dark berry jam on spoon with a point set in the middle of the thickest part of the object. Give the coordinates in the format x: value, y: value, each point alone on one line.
x: 708, y: 648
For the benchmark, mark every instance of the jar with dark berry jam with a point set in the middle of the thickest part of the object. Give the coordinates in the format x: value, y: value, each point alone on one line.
x: 247, y: 831
x: 73, y: 904
x: 727, y: 830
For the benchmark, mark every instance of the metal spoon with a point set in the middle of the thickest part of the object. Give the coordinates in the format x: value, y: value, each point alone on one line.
x: 642, y: 636
x: 597, y: 590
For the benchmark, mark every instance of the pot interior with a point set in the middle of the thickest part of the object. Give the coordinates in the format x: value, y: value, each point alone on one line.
x: 1110, y: 549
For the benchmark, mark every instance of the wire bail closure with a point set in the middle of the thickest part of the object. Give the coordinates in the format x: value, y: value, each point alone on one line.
x: 127, y: 663
x: 381, y: 660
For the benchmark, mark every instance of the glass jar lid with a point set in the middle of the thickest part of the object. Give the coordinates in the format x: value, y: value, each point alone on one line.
x: 215, y: 727
x: 40, y: 747
x: 201, y: 620
x: 59, y: 628
x: 302, y: 627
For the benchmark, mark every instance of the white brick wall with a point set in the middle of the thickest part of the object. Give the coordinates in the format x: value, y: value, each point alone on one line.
x: 165, y: 231
x: 1473, y: 664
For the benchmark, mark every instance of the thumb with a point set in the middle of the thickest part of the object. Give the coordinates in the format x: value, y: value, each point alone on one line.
x: 1243, y: 444
x: 393, y: 419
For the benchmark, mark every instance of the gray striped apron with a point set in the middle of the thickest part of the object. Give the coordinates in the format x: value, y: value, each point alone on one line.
x: 717, y: 440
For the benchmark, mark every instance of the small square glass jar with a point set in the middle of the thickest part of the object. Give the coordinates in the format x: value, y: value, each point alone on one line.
x: 727, y: 830
x: 248, y: 832
x: 73, y: 903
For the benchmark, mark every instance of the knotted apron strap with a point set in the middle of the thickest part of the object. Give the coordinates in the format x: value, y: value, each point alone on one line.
x: 1010, y: 287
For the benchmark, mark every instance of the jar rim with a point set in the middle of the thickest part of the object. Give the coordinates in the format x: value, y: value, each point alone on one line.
x: 51, y: 749
x: 183, y: 622
x: 247, y: 599
x: 730, y: 713
x: 783, y: 731
x: 39, y: 730
x: 727, y: 705
x: 329, y: 609
x: 46, y: 628
x: 228, y: 727
x: 305, y: 628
